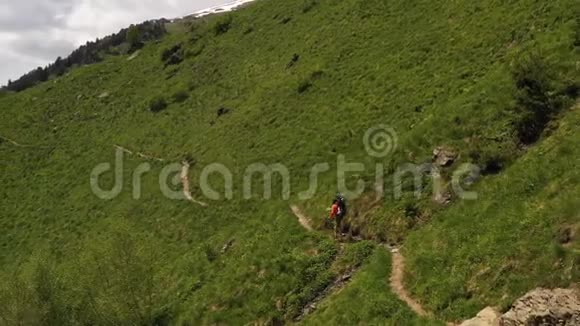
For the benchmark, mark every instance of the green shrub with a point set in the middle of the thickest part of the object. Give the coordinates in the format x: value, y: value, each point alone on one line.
x: 304, y: 86
x: 210, y: 253
x: 157, y: 104
x: 309, y: 5
x: 180, y: 96
x: 223, y: 25
x: 195, y: 51
x: 538, y: 102
x: 172, y: 55
x: 134, y: 38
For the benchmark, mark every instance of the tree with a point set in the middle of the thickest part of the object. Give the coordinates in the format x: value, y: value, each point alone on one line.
x: 134, y: 37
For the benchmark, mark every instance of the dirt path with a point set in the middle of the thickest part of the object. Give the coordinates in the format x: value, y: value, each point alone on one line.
x: 398, y: 286
x: 396, y: 279
x: 13, y: 142
x: 17, y: 144
x: 184, y: 173
x: 141, y: 155
x: 185, y: 183
x: 397, y: 273
x: 302, y: 219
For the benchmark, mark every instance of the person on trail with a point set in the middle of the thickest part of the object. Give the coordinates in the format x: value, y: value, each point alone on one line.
x: 337, y: 213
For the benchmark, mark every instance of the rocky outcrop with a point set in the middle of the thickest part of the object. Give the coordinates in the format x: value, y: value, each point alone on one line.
x: 444, y: 157
x: 545, y: 307
x: 540, y: 307
x: 487, y: 317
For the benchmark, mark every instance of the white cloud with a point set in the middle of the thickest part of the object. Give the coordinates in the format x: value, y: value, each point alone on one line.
x: 34, y: 32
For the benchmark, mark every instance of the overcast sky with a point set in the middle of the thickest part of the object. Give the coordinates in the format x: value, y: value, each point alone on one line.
x: 35, y: 32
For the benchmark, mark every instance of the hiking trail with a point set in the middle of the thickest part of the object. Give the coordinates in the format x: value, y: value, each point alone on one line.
x: 396, y: 280
x: 17, y: 144
x: 141, y: 155
x: 397, y: 283
x: 184, y: 172
x: 185, y: 183
x: 302, y: 219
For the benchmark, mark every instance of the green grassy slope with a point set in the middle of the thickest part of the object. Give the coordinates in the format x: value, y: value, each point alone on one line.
x: 367, y: 300
x: 452, y: 74
x: 489, y: 252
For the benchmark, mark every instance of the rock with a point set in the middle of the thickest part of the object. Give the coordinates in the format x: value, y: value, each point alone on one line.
x: 280, y: 304
x: 565, y: 235
x: 487, y: 317
x: 228, y: 245
x: 540, y: 307
x: 444, y: 157
x: 104, y: 95
x: 345, y: 277
x: 544, y: 307
x: 442, y: 198
x: 441, y: 194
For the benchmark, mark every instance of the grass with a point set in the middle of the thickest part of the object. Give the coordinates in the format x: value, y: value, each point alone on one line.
x: 375, y: 304
x: 439, y: 75
x: 507, y: 241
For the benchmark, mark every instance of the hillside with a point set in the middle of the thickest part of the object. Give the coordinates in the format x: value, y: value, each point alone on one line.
x: 492, y: 85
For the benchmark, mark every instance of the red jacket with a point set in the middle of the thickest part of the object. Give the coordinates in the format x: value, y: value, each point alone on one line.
x: 334, y: 211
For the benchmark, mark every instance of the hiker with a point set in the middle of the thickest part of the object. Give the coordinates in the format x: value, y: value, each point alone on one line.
x: 337, y: 213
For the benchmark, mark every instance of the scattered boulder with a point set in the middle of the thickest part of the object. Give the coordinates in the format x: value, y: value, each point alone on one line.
x: 442, y: 197
x: 487, y: 317
x: 104, y: 95
x: 540, y: 307
x: 228, y: 245
x: 280, y: 304
x: 545, y: 307
x: 444, y: 157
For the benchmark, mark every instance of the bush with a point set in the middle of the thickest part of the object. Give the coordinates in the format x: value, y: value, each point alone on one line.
x: 157, y: 104
x: 180, y: 96
x: 309, y: 5
x: 134, y: 38
x: 172, y: 55
x: 223, y: 25
x: 304, y: 86
x: 195, y: 51
x: 537, y: 100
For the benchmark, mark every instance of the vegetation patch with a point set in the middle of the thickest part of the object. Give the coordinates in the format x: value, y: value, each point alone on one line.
x: 157, y: 104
